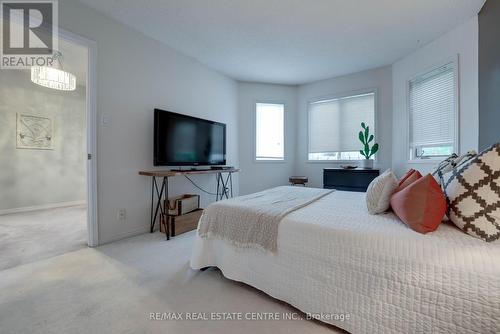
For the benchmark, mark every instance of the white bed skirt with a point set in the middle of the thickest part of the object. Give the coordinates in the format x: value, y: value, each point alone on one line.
x: 335, y: 259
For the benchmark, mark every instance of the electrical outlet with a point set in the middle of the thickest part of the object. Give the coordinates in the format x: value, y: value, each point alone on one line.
x: 122, y: 214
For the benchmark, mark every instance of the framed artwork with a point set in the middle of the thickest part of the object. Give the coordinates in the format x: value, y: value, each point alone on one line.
x: 34, y: 132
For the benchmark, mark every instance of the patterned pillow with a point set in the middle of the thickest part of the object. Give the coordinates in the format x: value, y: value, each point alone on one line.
x: 472, y: 191
x: 378, y: 194
x: 448, y: 164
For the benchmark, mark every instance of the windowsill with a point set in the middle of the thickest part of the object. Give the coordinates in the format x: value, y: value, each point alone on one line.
x: 270, y: 161
x: 430, y: 161
x: 334, y: 161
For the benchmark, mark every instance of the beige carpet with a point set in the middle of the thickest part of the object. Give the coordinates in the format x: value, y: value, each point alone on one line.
x: 31, y: 236
x: 114, y: 288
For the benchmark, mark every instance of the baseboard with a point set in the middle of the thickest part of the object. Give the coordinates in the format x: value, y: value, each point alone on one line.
x: 125, y: 235
x: 41, y: 207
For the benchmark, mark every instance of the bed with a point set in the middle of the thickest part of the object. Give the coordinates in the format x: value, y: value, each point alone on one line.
x: 333, y: 258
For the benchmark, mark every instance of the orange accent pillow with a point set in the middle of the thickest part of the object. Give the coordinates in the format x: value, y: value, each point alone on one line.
x: 421, y: 205
x: 407, y: 174
x: 411, y: 176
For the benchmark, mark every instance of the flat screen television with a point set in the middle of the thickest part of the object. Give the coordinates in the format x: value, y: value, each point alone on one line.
x: 181, y: 140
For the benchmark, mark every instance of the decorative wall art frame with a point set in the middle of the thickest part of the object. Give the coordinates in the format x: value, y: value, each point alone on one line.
x: 34, y: 132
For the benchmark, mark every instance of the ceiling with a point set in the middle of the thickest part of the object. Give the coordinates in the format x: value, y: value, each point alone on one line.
x: 291, y: 41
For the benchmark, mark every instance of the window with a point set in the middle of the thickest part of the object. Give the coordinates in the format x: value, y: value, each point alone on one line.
x: 432, y: 113
x: 269, y: 131
x: 334, y: 126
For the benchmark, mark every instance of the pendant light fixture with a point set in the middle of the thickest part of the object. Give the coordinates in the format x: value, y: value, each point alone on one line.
x: 53, y: 77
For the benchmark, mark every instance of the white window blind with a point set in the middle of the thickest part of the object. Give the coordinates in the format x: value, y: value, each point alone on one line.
x: 432, y: 109
x: 334, y: 124
x: 269, y: 131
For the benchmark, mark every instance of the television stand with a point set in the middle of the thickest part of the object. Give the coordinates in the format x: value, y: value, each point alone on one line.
x: 187, y: 170
x: 221, y: 167
x: 211, y: 168
x: 159, y: 189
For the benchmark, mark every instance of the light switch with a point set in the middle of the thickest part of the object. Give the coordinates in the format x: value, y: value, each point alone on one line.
x: 106, y: 120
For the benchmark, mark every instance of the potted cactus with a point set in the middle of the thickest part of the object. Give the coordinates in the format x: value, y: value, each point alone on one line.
x: 366, y: 138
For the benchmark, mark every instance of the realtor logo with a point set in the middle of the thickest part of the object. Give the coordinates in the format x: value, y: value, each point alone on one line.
x: 29, y: 33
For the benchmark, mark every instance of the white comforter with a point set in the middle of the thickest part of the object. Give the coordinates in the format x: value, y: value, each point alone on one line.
x: 335, y: 258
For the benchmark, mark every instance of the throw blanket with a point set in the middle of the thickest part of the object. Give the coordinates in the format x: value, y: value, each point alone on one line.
x: 252, y: 221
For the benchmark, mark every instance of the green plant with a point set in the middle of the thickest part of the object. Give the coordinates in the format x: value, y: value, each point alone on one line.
x: 366, y: 138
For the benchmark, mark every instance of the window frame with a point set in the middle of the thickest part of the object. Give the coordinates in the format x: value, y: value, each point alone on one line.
x: 371, y: 90
x: 410, y: 155
x: 285, y: 120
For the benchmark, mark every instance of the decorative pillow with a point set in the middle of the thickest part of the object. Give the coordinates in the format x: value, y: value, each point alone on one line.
x: 378, y: 194
x: 472, y: 191
x: 407, y: 175
x: 445, y: 166
x: 411, y: 176
x: 421, y: 205
x: 448, y: 164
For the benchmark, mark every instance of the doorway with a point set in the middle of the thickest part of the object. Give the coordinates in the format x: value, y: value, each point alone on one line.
x: 47, y: 154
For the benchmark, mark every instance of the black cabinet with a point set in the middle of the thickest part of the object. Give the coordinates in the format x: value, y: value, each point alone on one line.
x: 348, y: 179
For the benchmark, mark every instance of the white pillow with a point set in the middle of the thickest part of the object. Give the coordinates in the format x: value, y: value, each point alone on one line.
x: 379, y: 192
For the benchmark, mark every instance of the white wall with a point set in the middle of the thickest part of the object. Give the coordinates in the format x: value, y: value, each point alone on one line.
x: 380, y: 79
x: 260, y: 175
x: 135, y: 75
x: 463, y: 41
x: 30, y: 177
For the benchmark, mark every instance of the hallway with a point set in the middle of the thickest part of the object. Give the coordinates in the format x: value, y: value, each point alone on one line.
x: 31, y: 236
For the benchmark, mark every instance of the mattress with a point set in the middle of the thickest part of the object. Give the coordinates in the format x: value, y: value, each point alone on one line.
x: 374, y: 272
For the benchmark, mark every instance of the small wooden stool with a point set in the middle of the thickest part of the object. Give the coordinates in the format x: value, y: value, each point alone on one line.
x: 298, y: 180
